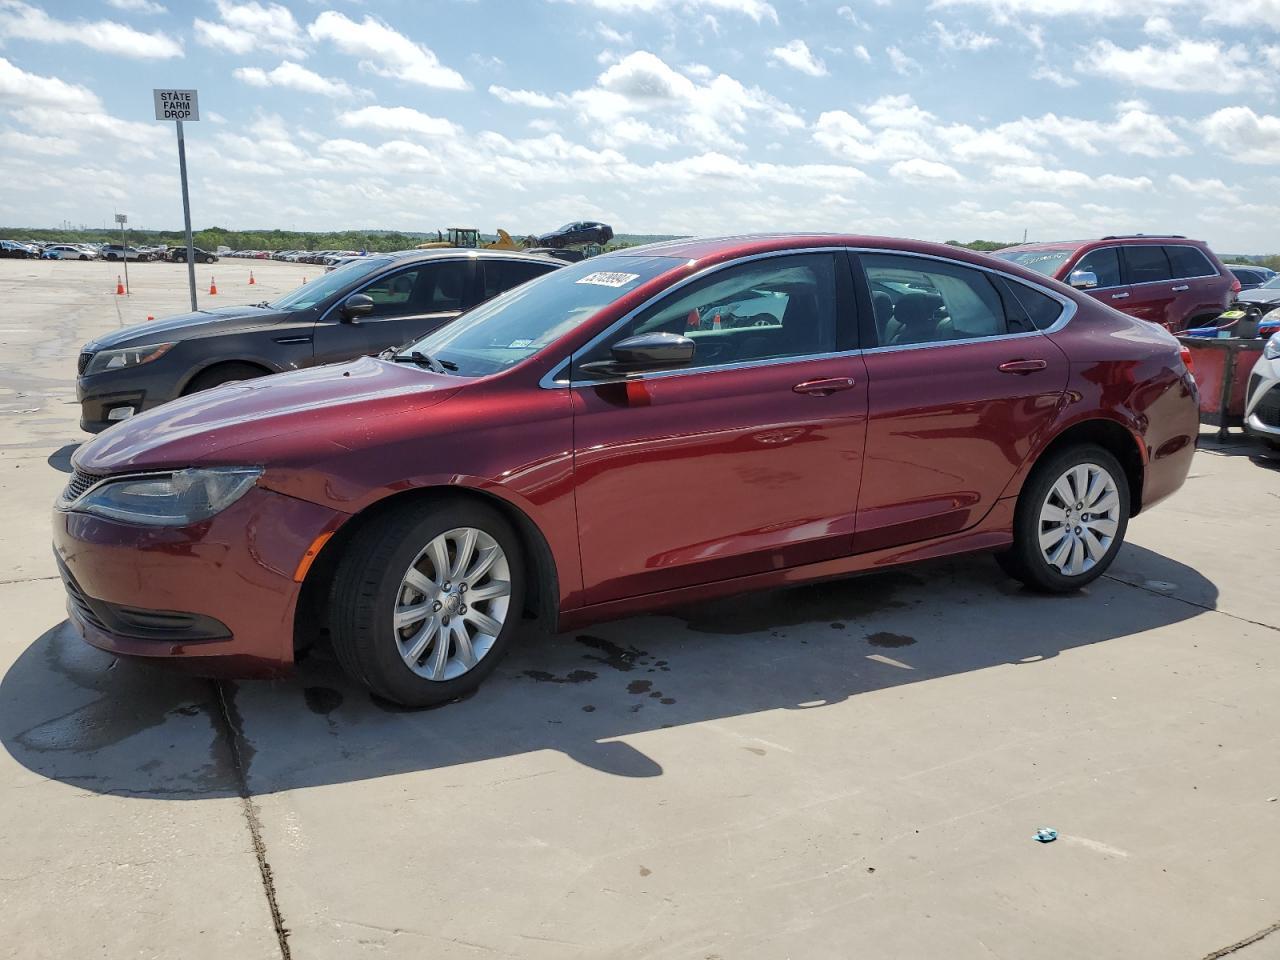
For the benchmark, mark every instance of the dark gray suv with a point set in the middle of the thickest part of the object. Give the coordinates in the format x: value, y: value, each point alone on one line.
x: 361, y: 308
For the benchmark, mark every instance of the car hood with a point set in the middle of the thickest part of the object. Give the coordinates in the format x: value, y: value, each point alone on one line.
x: 1258, y: 295
x: 185, y: 326
x: 260, y: 422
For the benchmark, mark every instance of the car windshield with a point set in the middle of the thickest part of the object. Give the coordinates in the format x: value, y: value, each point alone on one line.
x: 309, y: 294
x: 522, y: 321
x: 1272, y: 284
x: 1044, y: 260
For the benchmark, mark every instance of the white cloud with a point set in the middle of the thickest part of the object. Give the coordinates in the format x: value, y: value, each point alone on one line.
x: 1187, y: 65
x: 757, y: 10
x: 399, y: 120
x: 845, y: 136
x: 20, y: 88
x: 20, y: 21
x: 1005, y: 11
x: 1243, y: 135
x: 861, y: 53
x: 1245, y: 13
x: 901, y: 63
x: 245, y: 27
x: 525, y: 98
x: 610, y: 35
x: 1039, y: 178
x: 1054, y: 76
x: 962, y: 39
x: 14, y: 141
x: 797, y: 55
x: 1209, y: 188
x: 137, y: 6
x: 919, y: 170
x: 387, y: 52
x: 294, y: 77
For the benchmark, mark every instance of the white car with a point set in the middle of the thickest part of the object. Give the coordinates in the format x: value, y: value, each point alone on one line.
x: 68, y: 251
x: 1262, y: 404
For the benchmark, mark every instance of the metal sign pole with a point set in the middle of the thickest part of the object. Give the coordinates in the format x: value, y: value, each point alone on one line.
x: 124, y: 255
x: 186, y: 216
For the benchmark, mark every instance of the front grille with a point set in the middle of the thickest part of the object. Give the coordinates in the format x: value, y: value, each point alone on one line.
x: 1268, y: 408
x: 79, y: 483
x: 83, y: 363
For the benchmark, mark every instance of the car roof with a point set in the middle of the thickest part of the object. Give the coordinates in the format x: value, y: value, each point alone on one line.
x: 1118, y: 240
x: 450, y: 253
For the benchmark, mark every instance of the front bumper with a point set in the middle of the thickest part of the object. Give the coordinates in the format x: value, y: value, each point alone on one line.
x: 1262, y: 401
x: 218, y: 596
x: 103, y: 392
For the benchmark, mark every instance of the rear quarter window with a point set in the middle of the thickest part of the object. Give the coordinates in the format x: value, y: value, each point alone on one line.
x: 1187, y: 261
x: 1028, y: 308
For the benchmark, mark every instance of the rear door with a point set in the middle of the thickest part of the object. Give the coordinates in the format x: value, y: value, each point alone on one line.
x: 1149, y: 293
x: 1200, y: 291
x: 745, y: 461
x: 961, y: 385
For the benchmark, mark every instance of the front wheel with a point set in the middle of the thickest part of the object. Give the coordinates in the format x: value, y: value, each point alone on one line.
x: 1070, y: 520
x: 425, y: 600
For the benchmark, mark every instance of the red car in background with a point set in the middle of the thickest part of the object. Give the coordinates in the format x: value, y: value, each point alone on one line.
x: 1168, y: 280
x: 656, y: 426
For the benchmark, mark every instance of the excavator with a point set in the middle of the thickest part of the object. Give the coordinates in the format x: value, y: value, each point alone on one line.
x: 469, y: 237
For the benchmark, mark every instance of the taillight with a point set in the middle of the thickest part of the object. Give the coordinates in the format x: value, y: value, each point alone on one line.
x: 1187, y: 361
x: 1235, y: 285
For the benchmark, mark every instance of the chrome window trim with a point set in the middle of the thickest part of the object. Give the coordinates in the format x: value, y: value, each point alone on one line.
x: 392, y: 271
x: 552, y: 379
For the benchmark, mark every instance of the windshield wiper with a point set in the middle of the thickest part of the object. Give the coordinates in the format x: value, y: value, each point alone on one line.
x: 422, y: 360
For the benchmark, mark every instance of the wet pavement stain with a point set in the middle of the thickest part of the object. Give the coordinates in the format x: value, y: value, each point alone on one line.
x: 618, y: 657
x: 834, y: 601
x: 322, y: 700
x: 639, y: 686
x: 884, y: 639
x: 574, y: 676
x: 837, y: 625
x: 758, y: 751
x: 588, y: 708
x: 645, y: 871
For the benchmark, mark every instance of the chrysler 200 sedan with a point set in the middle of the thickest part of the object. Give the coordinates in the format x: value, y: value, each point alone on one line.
x: 664, y: 425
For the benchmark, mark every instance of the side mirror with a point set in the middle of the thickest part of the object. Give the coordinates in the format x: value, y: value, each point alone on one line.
x: 357, y: 305
x: 1083, y: 279
x: 644, y: 352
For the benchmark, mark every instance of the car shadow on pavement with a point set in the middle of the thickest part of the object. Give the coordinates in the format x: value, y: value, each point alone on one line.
x: 77, y: 715
x: 60, y: 459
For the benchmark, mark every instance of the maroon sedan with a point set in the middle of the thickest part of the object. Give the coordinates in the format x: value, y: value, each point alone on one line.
x: 659, y: 426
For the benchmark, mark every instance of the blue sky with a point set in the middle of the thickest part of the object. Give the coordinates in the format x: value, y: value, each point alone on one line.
x: 947, y: 119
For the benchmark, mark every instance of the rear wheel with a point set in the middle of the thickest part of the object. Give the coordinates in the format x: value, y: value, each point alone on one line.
x: 1070, y: 520
x: 425, y: 600
x: 223, y: 373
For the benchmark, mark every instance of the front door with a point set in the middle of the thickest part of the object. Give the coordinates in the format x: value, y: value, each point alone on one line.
x: 745, y: 461
x: 960, y: 385
x: 407, y: 304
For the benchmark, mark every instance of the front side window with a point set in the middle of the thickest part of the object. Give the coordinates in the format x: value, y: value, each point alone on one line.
x: 1146, y: 264
x: 336, y: 280
x: 767, y: 309
x: 1104, y: 264
x: 942, y: 301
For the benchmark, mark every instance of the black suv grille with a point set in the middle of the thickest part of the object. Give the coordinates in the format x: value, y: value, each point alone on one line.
x: 83, y: 363
x: 79, y: 483
x: 1268, y: 408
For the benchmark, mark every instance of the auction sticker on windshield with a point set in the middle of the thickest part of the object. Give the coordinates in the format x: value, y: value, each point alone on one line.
x: 609, y: 279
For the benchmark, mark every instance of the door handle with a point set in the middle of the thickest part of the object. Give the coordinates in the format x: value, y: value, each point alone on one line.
x: 1180, y: 288
x: 1119, y: 296
x: 823, y: 388
x: 1022, y: 366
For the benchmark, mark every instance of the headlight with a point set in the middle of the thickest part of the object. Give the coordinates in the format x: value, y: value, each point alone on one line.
x: 1272, y: 350
x: 127, y: 357
x: 168, y: 499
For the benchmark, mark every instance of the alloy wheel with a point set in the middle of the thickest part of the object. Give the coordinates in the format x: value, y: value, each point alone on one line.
x: 1079, y: 519
x: 452, y: 604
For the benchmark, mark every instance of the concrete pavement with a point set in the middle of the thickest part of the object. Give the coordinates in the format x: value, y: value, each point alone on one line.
x: 851, y: 769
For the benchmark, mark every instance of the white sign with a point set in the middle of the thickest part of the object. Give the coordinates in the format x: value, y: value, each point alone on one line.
x: 121, y: 219
x: 176, y: 105
x: 609, y: 279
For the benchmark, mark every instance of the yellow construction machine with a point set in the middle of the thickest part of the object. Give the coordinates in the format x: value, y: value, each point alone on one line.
x: 469, y: 237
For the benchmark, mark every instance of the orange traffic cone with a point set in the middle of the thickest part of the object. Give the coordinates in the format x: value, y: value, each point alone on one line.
x: 251, y: 280
x: 150, y: 316
x: 119, y: 286
x: 213, y: 287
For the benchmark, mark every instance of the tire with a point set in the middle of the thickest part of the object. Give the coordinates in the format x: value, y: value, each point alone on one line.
x: 112, y: 257
x: 222, y: 373
x: 210, y: 259
x: 371, y: 582
x: 1027, y: 561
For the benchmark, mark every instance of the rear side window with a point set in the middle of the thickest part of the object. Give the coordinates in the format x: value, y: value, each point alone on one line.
x: 917, y: 300
x: 1104, y: 264
x: 500, y: 275
x: 1189, y: 262
x: 1146, y: 264
x: 1027, y: 308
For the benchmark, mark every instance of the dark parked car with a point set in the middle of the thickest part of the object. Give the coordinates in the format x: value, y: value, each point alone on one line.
x: 577, y: 234
x: 1250, y: 275
x: 179, y: 255
x: 360, y: 309
x: 1171, y: 281
x: 1266, y: 296
x: 609, y: 439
